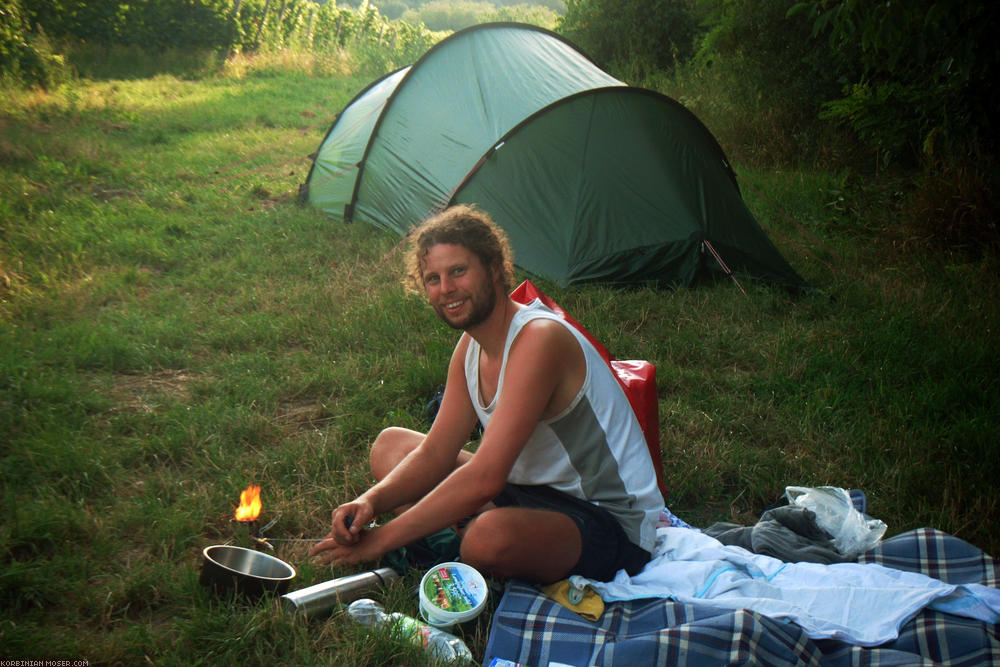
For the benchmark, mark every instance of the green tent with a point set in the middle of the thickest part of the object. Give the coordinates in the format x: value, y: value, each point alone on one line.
x: 593, y: 180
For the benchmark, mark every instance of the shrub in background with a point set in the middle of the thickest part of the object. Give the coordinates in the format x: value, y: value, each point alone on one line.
x: 27, y: 58
x: 455, y: 15
x: 919, y: 90
x: 912, y: 70
x: 527, y: 13
x: 448, y: 15
x: 635, y: 36
x: 762, y: 76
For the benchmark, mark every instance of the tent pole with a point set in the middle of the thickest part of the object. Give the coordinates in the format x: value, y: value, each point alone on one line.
x: 723, y: 265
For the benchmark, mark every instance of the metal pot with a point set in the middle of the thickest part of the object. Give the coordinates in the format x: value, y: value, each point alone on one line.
x: 249, y: 573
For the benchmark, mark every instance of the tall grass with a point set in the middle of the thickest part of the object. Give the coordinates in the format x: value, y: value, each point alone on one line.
x: 174, y: 326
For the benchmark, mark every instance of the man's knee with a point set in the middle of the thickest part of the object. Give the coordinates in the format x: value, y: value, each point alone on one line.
x: 390, y: 447
x: 488, y: 542
x: 534, y: 545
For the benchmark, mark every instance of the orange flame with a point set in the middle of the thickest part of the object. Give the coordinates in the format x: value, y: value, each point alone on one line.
x: 249, y: 508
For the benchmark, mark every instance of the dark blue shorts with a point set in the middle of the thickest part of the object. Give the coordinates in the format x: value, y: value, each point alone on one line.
x: 606, y: 548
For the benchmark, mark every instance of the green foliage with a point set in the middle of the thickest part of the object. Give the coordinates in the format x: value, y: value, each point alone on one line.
x: 392, y: 9
x: 153, y: 24
x: 918, y: 91
x: 450, y: 15
x: 913, y: 70
x: 25, y: 57
x: 228, y: 27
x: 194, y: 38
x: 12, y: 29
x: 377, y: 44
x: 556, y: 6
x: 643, y: 35
x: 759, y: 80
x: 532, y: 14
x: 101, y: 21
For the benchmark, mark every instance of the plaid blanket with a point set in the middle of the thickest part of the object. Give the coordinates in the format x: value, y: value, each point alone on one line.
x: 529, y: 628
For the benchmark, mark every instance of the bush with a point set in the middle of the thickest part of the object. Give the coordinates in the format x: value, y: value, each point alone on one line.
x: 526, y: 13
x: 644, y: 35
x: 767, y: 77
x: 913, y: 70
x: 919, y: 94
x: 25, y: 58
x: 449, y: 15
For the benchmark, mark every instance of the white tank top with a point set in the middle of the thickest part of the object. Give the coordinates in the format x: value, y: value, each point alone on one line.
x: 594, y: 449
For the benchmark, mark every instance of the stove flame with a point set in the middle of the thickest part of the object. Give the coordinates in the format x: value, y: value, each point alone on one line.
x: 249, y: 508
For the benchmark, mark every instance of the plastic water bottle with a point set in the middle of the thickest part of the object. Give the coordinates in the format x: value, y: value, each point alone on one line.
x: 443, y: 646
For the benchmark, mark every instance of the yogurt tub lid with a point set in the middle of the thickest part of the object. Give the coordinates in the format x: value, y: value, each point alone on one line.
x: 452, y: 593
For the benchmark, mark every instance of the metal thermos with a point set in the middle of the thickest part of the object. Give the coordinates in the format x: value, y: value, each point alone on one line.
x: 321, y: 598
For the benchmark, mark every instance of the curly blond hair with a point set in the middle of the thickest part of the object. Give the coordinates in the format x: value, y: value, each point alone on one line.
x: 465, y: 226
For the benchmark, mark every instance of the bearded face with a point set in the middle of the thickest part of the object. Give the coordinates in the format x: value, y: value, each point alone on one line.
x: 459, y: 288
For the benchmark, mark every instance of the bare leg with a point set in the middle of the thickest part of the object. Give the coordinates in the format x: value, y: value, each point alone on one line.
x: 393, y: 445
x: 390, y: 447
x: 530, y: 544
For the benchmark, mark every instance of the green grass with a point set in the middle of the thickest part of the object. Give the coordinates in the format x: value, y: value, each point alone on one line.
x: 174, y: 326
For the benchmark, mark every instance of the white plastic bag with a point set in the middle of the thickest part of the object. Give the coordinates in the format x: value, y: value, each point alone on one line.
x: 835, y: 513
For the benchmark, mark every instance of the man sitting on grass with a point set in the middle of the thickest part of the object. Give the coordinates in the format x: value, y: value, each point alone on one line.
x: 561, y: 483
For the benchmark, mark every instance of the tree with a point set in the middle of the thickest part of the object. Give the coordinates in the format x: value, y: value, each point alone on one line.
x: 648, y: 34
x: 919, y: 74
x: 771, y: 78
x: 525, y: 13
x: 449, y: 14
x: 26, y: 57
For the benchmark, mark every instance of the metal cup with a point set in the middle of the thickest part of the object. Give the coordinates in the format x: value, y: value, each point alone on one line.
x: 320, y: 599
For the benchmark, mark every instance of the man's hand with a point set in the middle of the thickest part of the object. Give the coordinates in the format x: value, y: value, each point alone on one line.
x: 349, y: 520
x: 365, y: 548
x: 346, y: 542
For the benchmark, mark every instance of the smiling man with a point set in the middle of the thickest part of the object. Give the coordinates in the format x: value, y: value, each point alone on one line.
x: 561, y: 483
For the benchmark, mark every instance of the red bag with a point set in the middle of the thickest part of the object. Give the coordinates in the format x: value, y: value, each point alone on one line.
x: 637, y: 378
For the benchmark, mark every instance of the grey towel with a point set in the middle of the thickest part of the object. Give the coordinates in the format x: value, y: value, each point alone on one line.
x: 788, y: 533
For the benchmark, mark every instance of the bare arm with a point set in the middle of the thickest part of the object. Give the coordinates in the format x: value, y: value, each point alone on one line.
x: 543, y: 368
x: 420, y: 471
x: 434, y: 459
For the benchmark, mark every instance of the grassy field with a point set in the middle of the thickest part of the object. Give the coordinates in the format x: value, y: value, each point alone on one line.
x: 175, y: 326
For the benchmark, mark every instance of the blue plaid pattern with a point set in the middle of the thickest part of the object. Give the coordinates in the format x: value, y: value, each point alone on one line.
x: 532, y: 629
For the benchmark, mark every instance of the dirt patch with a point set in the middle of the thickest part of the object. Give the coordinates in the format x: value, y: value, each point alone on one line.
x: 302, y: 416
x: 147, y: 392
x: 105, y: 195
